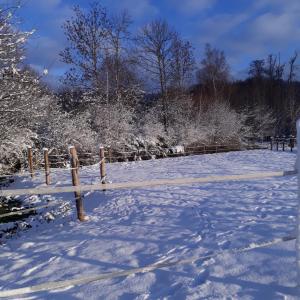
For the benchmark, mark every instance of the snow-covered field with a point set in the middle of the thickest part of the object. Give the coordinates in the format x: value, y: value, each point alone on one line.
x: 135, y: 228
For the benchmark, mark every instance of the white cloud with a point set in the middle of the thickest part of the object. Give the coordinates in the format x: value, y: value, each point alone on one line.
x: 269, y: 26
x: 140, y: 8
x: 278, y: 5
x: 192, y: 7
x: 136, y: 8
x: 217, y: 26
x: 276, y: 28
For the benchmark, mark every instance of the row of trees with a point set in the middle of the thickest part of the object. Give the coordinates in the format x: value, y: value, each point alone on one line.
x: 120, y: 86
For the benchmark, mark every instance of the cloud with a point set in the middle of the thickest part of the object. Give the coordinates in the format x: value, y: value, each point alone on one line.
x: 137, y: 9
x: 213, y: 28
x: 140, y: 8
x: 192, y: 7
x: 278, y: 5
x: 276, y: 28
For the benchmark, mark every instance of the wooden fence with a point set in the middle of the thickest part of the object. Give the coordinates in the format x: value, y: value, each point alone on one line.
x: 282, y: 142
x: 72, y: 161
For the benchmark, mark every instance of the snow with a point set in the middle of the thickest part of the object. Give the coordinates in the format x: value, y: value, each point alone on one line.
x: 298, y: 220
x: 135, y: 228
x: 177, y: 149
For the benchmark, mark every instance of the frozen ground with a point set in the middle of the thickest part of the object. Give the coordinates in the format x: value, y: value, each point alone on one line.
x: 135, y: 228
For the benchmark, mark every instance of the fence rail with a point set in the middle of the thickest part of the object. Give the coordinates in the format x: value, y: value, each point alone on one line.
x: 77, y: 189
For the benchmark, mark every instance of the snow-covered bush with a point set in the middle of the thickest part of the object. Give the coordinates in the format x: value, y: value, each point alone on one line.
x: 61, y: 129
x: 217, y: 123
x: 150, y: 124
x: 113, y: 117
x: 13, y: 150
x: 223, y: 124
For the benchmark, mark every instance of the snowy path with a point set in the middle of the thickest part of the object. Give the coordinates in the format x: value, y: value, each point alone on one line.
x: 134, y: 228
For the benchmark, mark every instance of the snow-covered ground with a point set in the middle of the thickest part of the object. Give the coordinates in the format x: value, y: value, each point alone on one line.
x: 134, y: 228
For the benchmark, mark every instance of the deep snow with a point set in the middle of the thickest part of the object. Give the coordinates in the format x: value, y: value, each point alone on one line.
x: 135, y: 228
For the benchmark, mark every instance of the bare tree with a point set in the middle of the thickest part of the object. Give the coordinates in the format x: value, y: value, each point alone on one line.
x: 166, y: 58
x: 86, y: 34
x: 257, y: 69
x: 214, y: 72
x: 293, y: 110
x: 292, y: 67
x: 154, y: 44
x: 98, y: 51
x: 118, y: 37
x: 183, y: 63
x: 273, y: 68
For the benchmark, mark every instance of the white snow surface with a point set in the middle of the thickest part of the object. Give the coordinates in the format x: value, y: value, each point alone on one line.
x: 135, y: 228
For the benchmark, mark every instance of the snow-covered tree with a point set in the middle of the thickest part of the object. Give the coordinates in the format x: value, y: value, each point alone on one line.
x: 260, y: 119
x: 21, y: 95
x: 18, y: 87
x: 224, y: 125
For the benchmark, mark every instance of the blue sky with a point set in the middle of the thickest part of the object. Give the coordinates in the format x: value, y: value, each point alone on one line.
x: 244, y: 29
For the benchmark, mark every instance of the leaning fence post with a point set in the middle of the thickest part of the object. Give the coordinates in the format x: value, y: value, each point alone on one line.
x: 298, y: 221
x: 102, y: 164
x: 30, y: 162
x: 47, y: 166
x: 76, y: 182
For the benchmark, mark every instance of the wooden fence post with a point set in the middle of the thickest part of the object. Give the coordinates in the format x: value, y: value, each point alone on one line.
x: 76, y: 182
x: 283, y: 143
x: 292, y: 143
x: 277, y: 143
x: 271, y: 141
x: 47, y: 166
x: 109, y: 154
x: 102, y: 164
x: 30, y: 161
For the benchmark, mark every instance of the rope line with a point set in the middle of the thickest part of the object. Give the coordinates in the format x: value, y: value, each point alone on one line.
x: 158, y: 265
x: 142, y: 184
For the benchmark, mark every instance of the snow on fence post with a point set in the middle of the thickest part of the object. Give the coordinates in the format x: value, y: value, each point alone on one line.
x: 298, y: 221
x: 102, y: 164
x: 47, y: 166
x: 30, y: 161
x: 76, y: 182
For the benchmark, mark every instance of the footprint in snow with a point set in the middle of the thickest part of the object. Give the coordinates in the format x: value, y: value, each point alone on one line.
x: 224, y: 245
x: 201, y: 277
